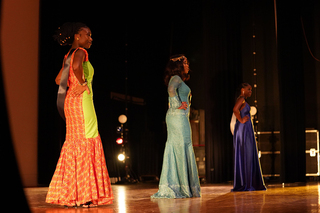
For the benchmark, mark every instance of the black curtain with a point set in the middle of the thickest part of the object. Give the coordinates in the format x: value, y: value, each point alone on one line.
x: 222, y: 74
x: 291, y: 89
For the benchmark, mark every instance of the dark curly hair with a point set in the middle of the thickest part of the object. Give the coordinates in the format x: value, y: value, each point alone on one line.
x: 175, y: 67
x: 64, y: 35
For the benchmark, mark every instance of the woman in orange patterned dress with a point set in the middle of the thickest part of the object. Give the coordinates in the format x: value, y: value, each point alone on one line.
x: 81, y: 177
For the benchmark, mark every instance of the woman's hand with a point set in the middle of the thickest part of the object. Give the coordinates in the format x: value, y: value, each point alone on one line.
x: 244, y: 119
x: 240, y: 104
x: 184, y: 105
x: 79, y: 89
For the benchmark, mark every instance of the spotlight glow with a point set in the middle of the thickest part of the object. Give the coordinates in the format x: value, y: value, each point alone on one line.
x: 122, y: 119
x: 119, y: 141
x: 119, y: 129
x: 253, y: 110
x: 121, y: 157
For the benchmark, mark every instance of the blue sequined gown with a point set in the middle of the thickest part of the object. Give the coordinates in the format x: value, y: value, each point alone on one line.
x: 247, y: 170
x: 179, y: 175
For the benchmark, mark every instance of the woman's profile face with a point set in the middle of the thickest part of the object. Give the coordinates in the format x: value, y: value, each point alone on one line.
x: 186, y: 65
x: 247, y: 91
x: 85, y: 39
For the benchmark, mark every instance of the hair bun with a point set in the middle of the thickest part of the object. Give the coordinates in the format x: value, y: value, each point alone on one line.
x: 64, y: 35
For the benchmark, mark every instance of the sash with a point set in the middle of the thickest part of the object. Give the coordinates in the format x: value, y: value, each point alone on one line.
x: 63, y: 86
x: 233, y: 123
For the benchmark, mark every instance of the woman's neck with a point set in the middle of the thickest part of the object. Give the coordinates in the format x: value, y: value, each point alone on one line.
x: 242, y: 96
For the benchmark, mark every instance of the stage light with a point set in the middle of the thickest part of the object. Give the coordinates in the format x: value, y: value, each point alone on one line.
x: 121, y: 157
x: 253, y: 110
x: 119, y: 129
x: 119, y: 141
x: 122, y: 119
x: 313, y: 152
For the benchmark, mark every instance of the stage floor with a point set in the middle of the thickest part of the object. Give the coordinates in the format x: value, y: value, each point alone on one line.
x: 215, y: 198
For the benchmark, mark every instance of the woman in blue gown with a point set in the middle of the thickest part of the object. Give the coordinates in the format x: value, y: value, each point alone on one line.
x: 247, y: 170
x: 179, y: 175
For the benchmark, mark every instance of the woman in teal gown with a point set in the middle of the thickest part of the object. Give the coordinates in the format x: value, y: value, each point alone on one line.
x: 179, y: 175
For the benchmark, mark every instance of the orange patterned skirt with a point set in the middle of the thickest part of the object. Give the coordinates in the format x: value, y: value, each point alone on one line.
x: 81, y: 174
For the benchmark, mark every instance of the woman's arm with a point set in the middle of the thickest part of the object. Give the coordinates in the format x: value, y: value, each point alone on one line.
x: 172, y: 90
x: 78, y: 72
x: 59, y: 77
x: 77, y: 65
x: 236, y: 110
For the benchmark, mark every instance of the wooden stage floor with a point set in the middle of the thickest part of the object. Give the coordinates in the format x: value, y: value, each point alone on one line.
x: 291, y: 198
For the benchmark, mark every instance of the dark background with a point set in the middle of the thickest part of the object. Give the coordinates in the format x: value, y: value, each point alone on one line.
x: 216, y: 36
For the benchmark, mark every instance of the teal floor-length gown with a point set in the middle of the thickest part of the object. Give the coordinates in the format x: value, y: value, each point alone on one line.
x: 179, y: 175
